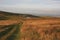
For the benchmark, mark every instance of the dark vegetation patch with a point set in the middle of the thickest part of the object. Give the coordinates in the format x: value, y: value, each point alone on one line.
x: 3, y: 18
x: 14, y: 34
x: 6, y: 31
x: 9, y: 29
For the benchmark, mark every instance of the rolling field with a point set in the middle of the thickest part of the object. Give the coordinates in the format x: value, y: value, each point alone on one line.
x: 25, y: 27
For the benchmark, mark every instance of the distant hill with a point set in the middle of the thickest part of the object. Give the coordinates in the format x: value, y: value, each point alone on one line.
x: 17, y: 14
x: 6, y: 15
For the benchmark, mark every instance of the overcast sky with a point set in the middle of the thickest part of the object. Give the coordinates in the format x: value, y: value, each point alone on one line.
x: 36, y: 7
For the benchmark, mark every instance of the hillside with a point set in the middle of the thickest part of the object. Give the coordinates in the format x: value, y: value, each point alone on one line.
x: 16, y: 14
x: 15, y: 26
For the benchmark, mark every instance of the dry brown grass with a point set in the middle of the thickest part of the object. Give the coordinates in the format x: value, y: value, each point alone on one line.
x: 41, y: 29
x: 34, y: 28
